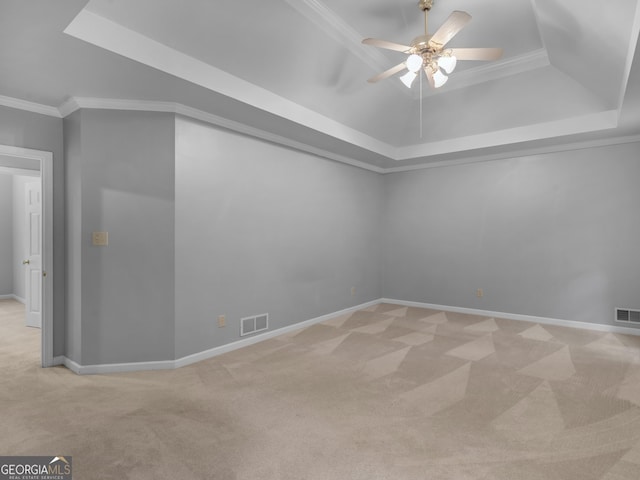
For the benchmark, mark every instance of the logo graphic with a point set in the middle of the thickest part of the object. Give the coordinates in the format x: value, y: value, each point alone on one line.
x: 36, y: 468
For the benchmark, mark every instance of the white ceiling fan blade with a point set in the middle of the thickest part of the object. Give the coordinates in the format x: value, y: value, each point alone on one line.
x: 452, y: 25
x: 388, y: 73
x: 482, y: 54
x: 388, y: 45
x: 429, y: 73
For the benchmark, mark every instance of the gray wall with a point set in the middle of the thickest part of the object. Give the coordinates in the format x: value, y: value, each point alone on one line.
x: 6, y: 237
x: 553, y: 235
x: 264, y: 229
x: 204, y: 222
x: 73, y: 202
x: 30, y: 130
x: 120, y: 175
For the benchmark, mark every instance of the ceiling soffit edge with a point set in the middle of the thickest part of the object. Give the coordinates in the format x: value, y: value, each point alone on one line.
x: 520, y: 153
x: 113, y: 37
x: 559, y: 128
x: 633, y: 42
x: 77, y: 103
x: 28, y: 106
x: 189, y: 112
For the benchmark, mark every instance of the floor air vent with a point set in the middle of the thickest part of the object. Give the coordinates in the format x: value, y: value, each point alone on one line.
x: 257, y: 323
x: 626, y: 315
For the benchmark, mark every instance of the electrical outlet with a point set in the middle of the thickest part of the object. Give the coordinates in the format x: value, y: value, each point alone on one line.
x: 353, y: 291
x: 479, y: 293
x: 222, y: 321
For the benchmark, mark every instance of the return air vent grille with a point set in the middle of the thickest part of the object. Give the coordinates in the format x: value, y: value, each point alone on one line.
x: 257, y: 323
x: 626, y: 315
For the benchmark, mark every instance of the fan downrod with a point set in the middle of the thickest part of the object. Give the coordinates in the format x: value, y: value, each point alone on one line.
x: 420, y: 45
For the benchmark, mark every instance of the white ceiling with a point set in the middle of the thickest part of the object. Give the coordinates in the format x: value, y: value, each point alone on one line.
x: 295, y: 70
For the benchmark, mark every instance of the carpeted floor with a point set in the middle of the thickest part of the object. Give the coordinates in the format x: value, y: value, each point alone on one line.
x: 387, y: 393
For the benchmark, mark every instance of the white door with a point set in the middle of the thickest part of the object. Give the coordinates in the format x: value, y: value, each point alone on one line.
x: 33, y: 260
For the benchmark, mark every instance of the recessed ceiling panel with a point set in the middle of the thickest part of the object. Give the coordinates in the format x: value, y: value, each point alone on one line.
x: 301, y: 62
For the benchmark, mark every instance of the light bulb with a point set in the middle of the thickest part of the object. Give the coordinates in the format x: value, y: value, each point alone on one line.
x: 408, y: 78
x: 414, y: 62
x: 447, y: 63
x: 439, y: 79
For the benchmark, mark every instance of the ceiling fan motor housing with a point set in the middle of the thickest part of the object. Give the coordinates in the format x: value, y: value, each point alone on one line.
x: 421, y: 46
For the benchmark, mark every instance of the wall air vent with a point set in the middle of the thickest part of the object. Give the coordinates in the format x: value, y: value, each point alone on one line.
x: 257, y: 323
x: 626, y: 315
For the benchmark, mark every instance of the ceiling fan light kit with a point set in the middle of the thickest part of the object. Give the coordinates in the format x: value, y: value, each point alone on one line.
x: 414, y: 62
x: 408, y: 78
x: 427, y: 52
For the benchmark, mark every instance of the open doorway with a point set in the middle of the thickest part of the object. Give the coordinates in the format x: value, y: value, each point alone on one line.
x: 31, y: 179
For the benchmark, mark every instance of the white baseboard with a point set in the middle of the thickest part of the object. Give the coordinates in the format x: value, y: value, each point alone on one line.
x: 214, y: 352
x: 118, y: 367
x: 200, y: 356
x: 57, y: 361
x: 245, y: 342
x: 12, y: 297
x: 523, y: 318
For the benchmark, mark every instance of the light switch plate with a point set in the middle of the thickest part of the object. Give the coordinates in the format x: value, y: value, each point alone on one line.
x: 100, y: 239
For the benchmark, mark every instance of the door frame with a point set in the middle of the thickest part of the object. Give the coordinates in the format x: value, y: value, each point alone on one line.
x: 45, y: 160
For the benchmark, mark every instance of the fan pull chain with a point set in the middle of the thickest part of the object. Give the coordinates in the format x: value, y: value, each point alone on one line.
x: 420, y: 104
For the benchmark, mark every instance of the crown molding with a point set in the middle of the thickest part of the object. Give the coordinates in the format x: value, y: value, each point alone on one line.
x: 68, y: 107
x: 269, y: 137
x: 522, y: 153
x: 592, y: 122
x: 113, y: 37
x: 77, y: 103
x: 28, y: 106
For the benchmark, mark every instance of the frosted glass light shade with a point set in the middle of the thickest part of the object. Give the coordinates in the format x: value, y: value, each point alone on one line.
x: 447, y: 63
x: 439, y: 79
x: 414, y: 62
x: 408, y: 78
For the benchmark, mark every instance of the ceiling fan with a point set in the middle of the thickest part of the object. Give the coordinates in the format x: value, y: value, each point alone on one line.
x: 428, y: 52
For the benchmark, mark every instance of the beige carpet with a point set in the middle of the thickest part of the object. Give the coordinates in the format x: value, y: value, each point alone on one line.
x: 387, y: 393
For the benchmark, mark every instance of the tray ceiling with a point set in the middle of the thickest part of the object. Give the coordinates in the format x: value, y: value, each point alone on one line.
x: 297, y: 69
